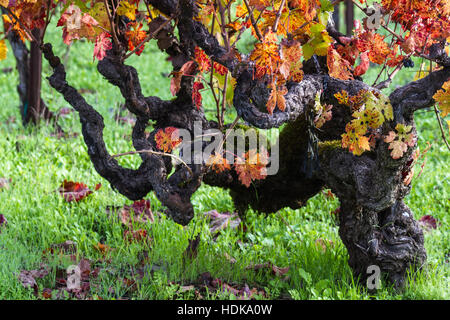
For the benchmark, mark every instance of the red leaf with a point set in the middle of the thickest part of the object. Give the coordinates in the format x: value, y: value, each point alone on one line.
x: 3, y: 221
x: 75, y: 191
x: 167, y: 139
x: 363, y: 66
x: 204, y: 64
x: 252, y: 166
x: 102, y: 44
x: 186, y: 70
x: 428, y: 222
x: 196, y: 95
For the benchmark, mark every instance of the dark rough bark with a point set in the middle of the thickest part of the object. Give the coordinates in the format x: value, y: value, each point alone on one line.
x: 375, y: 224
x: 29, y: 66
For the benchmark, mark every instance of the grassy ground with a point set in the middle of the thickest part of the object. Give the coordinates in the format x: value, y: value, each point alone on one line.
x: 38, y: 217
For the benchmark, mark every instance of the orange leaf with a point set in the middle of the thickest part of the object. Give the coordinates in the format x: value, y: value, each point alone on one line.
x: 338, y: 67
x: 276, y: 98
x: 252, y: 166
x: 168, y: 139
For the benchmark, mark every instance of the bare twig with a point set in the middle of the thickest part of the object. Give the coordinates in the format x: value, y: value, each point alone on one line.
x: 252, y: 19
x: 156, y: 153
x: 278, y: 16
x: 441, y: 127
x: 112, y: 24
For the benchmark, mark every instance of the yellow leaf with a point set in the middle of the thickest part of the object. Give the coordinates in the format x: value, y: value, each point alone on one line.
x: 3, y: 50
x: 442, y: 97
x: 127, y: 9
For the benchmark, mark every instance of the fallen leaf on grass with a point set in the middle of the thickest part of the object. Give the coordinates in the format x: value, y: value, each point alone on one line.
x: 137, y: 235
x: 67, y: 247
x: 239, y: 291
x: 3, y: 221
x: 65, y: 111
x: 140, y: 211
x: 47, y: 293
x: 102, y: 248
x: 269, y: 265
x: 324, y: 244
x: 75, y: 191
x: 229, y: 258
x: 428, y: 222
x: 64, y: 135
x: 28, y: 277
x: 221, y: 221
x: 191, y: 250
x: 4, y: 183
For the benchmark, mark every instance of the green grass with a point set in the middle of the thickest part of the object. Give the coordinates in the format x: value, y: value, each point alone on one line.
x: 38, y: 217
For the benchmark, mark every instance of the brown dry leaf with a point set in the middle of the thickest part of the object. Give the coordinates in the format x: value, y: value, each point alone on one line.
x: 4, y: 183
x: 269, y: 265
x: 3, y: 221
x: 324, y: 244
x: 191, y: 250
x: 47, y: 293
x: 140, y: 211
x: 103, y: 248
x: 220, y: 221
x: 67, y: 247
x: 28, y: 277
x: 229, y: 258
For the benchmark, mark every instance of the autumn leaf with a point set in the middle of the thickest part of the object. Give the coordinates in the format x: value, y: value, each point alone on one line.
x: 203, y: 62
x: 428, y: 222
x: 75, y: 191
x: 167, y: 139
x: 3, y: 221
x: 277, y: 271
x: 354, y: 138
x: 4, y: 183
x: 186, y: 70
x: 196, y: 95
x: 400, y: 140
x: 252, y: 166
x: 28, y: 277
x: 266, y: 56
x: 379, y: 49
x: 127, y: 9
x: 140, y: 235
x: 220, y: 69
x: 276, y: 98
x: 102, y: 44
x: 342, y: 97
x: 363, y: 66
x: 3, y: 50
x: 338, y: 67
x: 218, y: 163
x: 136, y: 36
x: 291, y: 67
x: 77, y: 25
x: 102, y: 248
x: 442, y: 97
x: 323, y: 113
x: 221, y: 221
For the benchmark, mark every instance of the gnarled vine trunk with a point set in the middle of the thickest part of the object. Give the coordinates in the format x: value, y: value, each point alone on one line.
x: 375, y: 225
